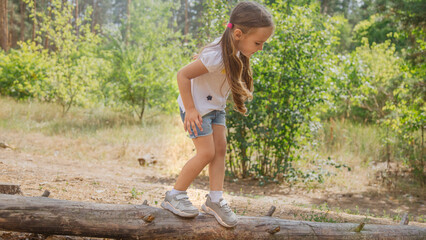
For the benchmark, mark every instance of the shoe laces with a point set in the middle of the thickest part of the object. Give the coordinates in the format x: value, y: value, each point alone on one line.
x: 224, y: 205
x: 184, y: 199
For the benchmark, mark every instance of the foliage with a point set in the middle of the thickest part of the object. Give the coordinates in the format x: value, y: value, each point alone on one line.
x: 215, y: 19
x: 145, y: 66
x: 130, y: 61
x: 288, y: 78
x: 23, y: 72
x: 379, y: 29
x: 374, y: 84
x: 316, y: 217
x: 72, y: 78
x: 367, y: 78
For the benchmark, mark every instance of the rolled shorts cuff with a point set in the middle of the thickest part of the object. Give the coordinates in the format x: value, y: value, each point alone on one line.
x: 214, y: 117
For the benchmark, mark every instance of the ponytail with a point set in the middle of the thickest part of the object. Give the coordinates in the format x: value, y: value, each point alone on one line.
x: 245, y: 16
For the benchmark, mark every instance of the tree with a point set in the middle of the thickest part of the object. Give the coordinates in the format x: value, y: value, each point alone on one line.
x: 4, y: 32
x: 72, y: 77
x: 145, y: 64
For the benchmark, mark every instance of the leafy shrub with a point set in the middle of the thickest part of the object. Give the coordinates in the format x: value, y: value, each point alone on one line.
x: 288, y: 79
x: 23, y: 72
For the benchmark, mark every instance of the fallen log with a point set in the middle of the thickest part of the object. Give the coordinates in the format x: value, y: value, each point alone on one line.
x: 10, y: 188
x: 60, y: 217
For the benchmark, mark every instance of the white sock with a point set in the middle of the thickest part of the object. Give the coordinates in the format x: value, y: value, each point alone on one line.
x: 174, y: 192
x: 215, y: 196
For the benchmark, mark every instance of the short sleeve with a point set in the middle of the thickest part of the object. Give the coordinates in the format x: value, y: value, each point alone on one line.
x: 211, y: 57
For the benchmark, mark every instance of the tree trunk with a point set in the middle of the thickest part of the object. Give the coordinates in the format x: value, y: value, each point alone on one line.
x: 324, y: 6
x: 129, y: 2
x: 46, y: 40
x: 4, y: 32
x: 186, y: 29
x: 94, y: 16
x: 77, y: 30
x: 9, y: 188
x: 59, y: 217
x: 11, y: 22
x: 22, y: 25
x: 34, y: 20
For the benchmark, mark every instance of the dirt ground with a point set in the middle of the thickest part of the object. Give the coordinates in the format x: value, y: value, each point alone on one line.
x: 126, y: 182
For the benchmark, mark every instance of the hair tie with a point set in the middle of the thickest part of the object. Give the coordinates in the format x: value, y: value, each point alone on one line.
x: 230, y: 25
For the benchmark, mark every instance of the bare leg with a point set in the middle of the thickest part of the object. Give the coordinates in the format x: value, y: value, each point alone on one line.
x: 217, y: 166
x: 205, y: 148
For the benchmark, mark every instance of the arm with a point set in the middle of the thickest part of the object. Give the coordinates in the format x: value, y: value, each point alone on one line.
x: 184, y: 76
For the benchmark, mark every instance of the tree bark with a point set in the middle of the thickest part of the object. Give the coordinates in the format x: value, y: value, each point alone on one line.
x: 34, y: 21
x: 186, y: 29
x: 4, y: 32
x: 46, y: 40
x: 129, y: 2
x: 94, y: 16
x: 11, y: 22
x: 9, y: 188
x: 77, y: 30
x: 59, y: 217
x: 22, y: 24
x: 324, y: 6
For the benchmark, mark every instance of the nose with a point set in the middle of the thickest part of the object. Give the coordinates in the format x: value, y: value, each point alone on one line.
x: 260, y: 47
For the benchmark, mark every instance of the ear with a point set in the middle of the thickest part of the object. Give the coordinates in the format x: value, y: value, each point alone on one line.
x: 238, y: 34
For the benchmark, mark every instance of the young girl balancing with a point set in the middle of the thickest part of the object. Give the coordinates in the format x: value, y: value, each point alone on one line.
x: 221, y: 68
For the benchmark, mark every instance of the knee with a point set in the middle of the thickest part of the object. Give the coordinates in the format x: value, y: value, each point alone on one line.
x: 206, y: 155
x: 220, y: 150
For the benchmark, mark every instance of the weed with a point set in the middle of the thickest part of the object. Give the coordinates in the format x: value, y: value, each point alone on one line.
x: 317, y: 217
x: 135, y: 193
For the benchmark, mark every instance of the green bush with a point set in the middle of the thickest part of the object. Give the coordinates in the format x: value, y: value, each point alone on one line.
x: 23, y: 72
x: 288, y: 78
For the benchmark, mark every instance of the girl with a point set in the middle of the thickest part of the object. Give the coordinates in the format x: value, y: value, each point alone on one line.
x: 204, y: 85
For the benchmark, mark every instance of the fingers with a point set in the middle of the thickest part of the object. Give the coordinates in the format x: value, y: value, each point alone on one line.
x: 200, y: 122
x: 194, y: 129
x: 191, y: 126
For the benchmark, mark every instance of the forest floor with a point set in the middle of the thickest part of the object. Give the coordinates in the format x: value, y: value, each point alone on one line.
x: 119, y: 181
x: 92, y: 156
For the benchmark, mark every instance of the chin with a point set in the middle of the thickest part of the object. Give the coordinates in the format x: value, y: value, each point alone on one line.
x: 247, y: 55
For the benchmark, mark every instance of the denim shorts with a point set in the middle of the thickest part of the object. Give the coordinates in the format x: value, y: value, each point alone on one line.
x: 213, y: 117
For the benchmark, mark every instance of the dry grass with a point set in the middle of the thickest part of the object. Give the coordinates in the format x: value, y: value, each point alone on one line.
x: 96, y: 134
x: 95, y: 142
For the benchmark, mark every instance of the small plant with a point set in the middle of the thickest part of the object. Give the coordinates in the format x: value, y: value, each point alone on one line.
x: 135, y: 193
x: 317, y: 217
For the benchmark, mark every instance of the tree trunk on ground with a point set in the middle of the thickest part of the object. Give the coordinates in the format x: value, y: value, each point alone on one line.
x: 8, y: 188
x: 59, y: 217
x: 4, y: 32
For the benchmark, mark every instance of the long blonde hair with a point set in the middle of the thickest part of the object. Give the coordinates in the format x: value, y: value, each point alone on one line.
x: 245, y: 16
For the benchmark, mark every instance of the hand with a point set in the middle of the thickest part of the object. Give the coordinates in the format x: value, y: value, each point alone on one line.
x: 192, y: 119
x: 195, y: 57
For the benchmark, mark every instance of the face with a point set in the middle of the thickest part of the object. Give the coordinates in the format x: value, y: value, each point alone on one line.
x: 253, y: 41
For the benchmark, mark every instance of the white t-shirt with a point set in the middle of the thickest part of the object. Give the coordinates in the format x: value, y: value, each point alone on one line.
x: 210, y: 90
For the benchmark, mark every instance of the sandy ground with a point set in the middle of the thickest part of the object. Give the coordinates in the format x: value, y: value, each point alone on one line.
x: 113, y: 181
